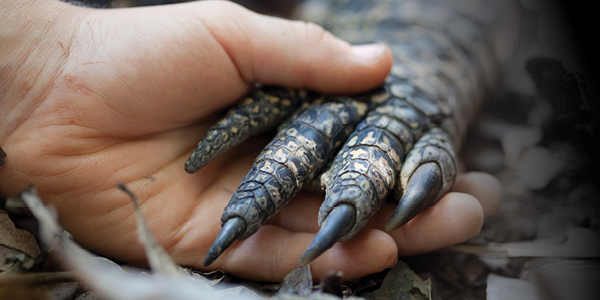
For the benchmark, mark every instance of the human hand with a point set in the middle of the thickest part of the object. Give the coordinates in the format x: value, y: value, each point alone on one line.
x: 91, y: 98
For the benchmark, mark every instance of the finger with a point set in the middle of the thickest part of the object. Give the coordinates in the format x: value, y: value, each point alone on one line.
x: 483, y: 186
x: 295, y: 53
x: 300, y: 214
x: 273, y: 252
x: 455, y: 218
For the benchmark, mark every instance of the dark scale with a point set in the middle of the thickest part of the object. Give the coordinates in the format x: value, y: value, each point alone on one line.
x: 259, y: 112
x: 436, y: 85
x: 372, y: 157
x: 364, y: 172
x: 445, y: 63
x: 428, y: 173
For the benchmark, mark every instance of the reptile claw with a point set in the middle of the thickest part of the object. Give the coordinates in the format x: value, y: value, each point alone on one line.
x: 339, y: 221
x: 422, y: 190
x: 231, y: 231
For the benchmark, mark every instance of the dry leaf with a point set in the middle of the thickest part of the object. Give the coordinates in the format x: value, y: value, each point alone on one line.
x: 580, y: 243
x: 299, y: 281
x: 501, y: 288
x: 298, y: 285
x: 107, y: 279
x: 569, y: 279
x: 14, y: 241
x: 158, y: 259
x: 403, y: 284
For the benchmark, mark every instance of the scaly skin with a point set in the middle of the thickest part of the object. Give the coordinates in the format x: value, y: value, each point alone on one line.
x: 296, y: 154
x: 444, y: 65
x: 257, y: 113
x: 365, y: 170
x: 435, y: 88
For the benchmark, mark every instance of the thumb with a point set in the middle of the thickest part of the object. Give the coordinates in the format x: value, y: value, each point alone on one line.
x: 295, y: 53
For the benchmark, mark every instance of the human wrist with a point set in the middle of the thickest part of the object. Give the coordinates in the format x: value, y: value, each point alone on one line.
x: 35, y: 37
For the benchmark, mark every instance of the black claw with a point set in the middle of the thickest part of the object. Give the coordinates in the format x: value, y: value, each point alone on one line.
x: 231, y: 231
x: 422, y: 190
x: 339, y: 221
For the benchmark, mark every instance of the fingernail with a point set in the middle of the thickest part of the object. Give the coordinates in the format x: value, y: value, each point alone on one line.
x: 368, y: 51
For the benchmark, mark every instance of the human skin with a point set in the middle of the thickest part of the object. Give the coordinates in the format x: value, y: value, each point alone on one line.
x: 92, y: 98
